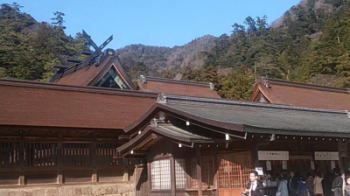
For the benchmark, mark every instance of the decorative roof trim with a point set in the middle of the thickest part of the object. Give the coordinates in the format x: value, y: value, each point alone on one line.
x: 262, y: 130
x: 125, y: 147
x: 145, y: 118
x: 89, y: 89
x: 263, y: 81
x: 121, y: 73
x: 259, y: 90
x: 168, y: 97
x: 144, y: 79
x: 75, y: 68
x: 158, y: 130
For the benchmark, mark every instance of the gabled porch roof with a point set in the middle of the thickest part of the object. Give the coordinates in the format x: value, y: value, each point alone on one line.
x: 237, y: 119
x: 244, y: 116
x: 151, y: 134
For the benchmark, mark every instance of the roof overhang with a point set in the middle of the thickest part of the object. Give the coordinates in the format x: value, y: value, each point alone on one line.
x: 180, y: 120
x: 183, y: 115
x: 151, y: 134
x: 237, y: 127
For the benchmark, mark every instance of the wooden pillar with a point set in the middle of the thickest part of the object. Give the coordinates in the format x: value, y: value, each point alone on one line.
x: 216, y: 169
x: 59, y: 163
x: 139, y: 169
x: 59, y: 178
x: 21, y: 148
x: 126, y: 173
x: 173, y: 177
x: 216, y: 172
x: 94, y: 175
x: 21, y: 180
x: 199, y: 171
x: 149, y: 179
x: 342, y: 156
x: 254, y: 156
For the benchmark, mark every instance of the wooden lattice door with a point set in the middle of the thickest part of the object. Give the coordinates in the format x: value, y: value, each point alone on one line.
x: 233, y: 172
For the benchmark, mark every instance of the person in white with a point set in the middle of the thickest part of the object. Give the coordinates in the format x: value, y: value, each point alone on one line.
x: 318, y: 189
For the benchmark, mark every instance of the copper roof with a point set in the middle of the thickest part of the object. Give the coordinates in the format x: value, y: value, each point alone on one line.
x: 299, y: 94
x: 87, y: 75
x: 234, y: 118
x: 30, y: 103
x: 177, y: 87
x: 254, y: 117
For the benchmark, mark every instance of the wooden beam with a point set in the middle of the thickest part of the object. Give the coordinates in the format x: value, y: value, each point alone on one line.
x: 146, y: 141
x: 199, y: 171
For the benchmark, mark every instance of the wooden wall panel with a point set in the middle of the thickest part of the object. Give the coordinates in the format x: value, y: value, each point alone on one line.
x: 233, y: 172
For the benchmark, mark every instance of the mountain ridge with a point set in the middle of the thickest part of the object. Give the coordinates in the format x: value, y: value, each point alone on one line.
x: 159, y: 58
x: 311, y: 44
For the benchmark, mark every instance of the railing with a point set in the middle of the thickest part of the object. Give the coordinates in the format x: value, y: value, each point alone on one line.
x: 42, y: 162
x: 76, y: 155
x: 40, y: 155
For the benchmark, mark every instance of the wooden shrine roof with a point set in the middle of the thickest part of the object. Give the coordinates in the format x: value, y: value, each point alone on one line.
x: 166, y: 130
x: 178, y: 87
x: 205, y: 120
x: 254, y: 117
x: 28, y: 103
x: 300, y: 94
x: 88, y: 75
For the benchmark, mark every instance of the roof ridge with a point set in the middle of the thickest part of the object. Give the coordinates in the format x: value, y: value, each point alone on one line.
x: 163, y: 98
x: 78, y: 67
x: 89, y: 89
x: 152, y: 78
x: 302, y: 85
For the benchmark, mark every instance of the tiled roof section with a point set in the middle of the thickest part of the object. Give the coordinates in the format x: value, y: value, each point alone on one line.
x: 27, y: 103
x: 260, y: 117
x: 87, y: 75
x: 299, y: 94
x: 177, y: 87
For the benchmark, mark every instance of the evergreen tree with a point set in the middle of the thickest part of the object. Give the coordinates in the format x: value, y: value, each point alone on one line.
x: 28, y: 49
x: 58, y: 19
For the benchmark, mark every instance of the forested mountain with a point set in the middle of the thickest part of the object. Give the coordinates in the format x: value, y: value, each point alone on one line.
x: 309, y: 43
x: 151, y: 60
x: 29, y: 49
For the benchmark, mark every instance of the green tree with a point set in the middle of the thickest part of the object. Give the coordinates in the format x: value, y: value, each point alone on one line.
x: 28, y: 49
x: 237, y: 84
x: 58, y: 19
